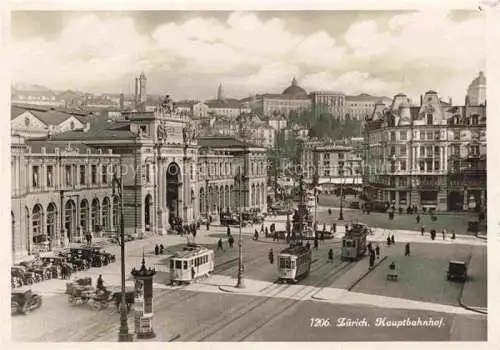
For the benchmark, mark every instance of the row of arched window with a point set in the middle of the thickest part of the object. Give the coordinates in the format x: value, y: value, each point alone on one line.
x: 93, y: 217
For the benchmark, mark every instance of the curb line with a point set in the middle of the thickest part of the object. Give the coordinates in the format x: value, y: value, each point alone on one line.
x: 221, y: 288
x: 365, y: 274
x: 460, y: 298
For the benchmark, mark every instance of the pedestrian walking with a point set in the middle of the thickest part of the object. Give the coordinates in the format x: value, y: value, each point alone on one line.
x: 271, y: 256
x: 444, y: 234
x: 407, y: 249
x: 377, y: 251
x: 157, y: 249
x: 453, y: 236
x: 231, y: 241
x: 193, y: 273
x: 219, y: 245
x: 100, y: 283
x: 228, y: 231
x: 208, y: 225
x: 388, y: 240
x: 433, y: 234
x: 316, y: 243
x: 372, y: 261
x: 330, y: 255
x: 418, y: 219
x: 422, y: 230
x: 393, y: 241
x: 370, y: 246
x: 162, y: 248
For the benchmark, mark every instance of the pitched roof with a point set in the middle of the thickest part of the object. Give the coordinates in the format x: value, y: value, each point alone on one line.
x: 366, y: 97
x: 100, y: 129
x: 48, y: 115
x: 50, y: 146
x: 223, y: 142
x: 226, y: 103
x: 284, y: 97
x: 188, y: 104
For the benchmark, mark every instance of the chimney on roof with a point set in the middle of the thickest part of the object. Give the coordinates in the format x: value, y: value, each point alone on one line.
x: 122, y: 101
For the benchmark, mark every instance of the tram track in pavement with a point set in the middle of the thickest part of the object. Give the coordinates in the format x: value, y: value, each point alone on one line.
x: 231, y: 316
x: 288, y: 304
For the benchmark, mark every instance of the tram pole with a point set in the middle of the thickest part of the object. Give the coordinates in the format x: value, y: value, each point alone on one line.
x: 341, y: 214
x: 240, y: 283
x: 315, y: 209
x: 123, y: 333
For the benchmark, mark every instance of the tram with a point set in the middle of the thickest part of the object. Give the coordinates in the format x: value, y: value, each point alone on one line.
x: 354, y: 242
x: 294, y: 263
x: 191, y: 263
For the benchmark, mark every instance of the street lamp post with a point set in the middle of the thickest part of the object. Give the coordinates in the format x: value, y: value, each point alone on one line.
x: 240, y: 283
x: 341, y: 214
x: 123, y: 334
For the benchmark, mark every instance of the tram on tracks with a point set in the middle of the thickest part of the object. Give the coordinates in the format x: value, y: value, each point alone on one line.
x: 354, y: 242
x: 192, y: 262
x: 294, y: 263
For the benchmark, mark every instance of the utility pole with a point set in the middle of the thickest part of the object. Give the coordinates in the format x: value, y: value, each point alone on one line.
x: 239, y: 179
x: 123, y: 333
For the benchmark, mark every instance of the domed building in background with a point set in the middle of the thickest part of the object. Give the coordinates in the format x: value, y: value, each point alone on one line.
x: 294, y: 98
x: 476, y: 93
x: 294, y: 89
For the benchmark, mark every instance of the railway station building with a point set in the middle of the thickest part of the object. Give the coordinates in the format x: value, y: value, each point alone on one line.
x: 62, y: 183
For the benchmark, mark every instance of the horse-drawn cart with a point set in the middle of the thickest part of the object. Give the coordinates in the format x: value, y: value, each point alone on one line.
x: 81, y: 292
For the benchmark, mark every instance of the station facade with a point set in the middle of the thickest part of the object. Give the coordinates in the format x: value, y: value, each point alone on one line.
x: 167, y: 171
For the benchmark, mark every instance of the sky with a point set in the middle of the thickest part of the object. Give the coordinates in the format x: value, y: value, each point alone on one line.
x: 187, y: 54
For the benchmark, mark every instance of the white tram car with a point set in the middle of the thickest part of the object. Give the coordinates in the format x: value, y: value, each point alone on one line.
x: 354, y: 244
x: 294, y: 263
x: 191, y: 263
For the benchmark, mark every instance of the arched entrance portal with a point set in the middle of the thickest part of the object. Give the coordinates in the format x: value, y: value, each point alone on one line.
x: 147, y: 212
x: 173, y: 180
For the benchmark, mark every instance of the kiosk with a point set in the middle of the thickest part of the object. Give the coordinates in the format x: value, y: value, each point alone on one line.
x: 143, y: 304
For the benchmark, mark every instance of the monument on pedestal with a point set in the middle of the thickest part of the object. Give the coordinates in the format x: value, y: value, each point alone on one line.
x: 143, y: 304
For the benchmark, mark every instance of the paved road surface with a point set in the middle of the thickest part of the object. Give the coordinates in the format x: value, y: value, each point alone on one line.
x: 212, y: 309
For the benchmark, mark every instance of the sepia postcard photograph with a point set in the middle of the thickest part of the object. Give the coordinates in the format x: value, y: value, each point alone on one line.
x: 230, y: 175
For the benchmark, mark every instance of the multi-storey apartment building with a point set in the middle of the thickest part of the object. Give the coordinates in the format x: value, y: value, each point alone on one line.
x: 431, y: 156
x: 337, y: 163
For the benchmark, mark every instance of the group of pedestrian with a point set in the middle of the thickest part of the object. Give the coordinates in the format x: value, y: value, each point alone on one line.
x: 391, y: 240
x: 433, y: 233
x: 373, y: 253
x: 230, y: 241
x: 159, y: 249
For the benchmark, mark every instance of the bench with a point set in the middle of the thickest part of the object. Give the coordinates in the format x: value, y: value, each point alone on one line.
x: 392, y: 276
